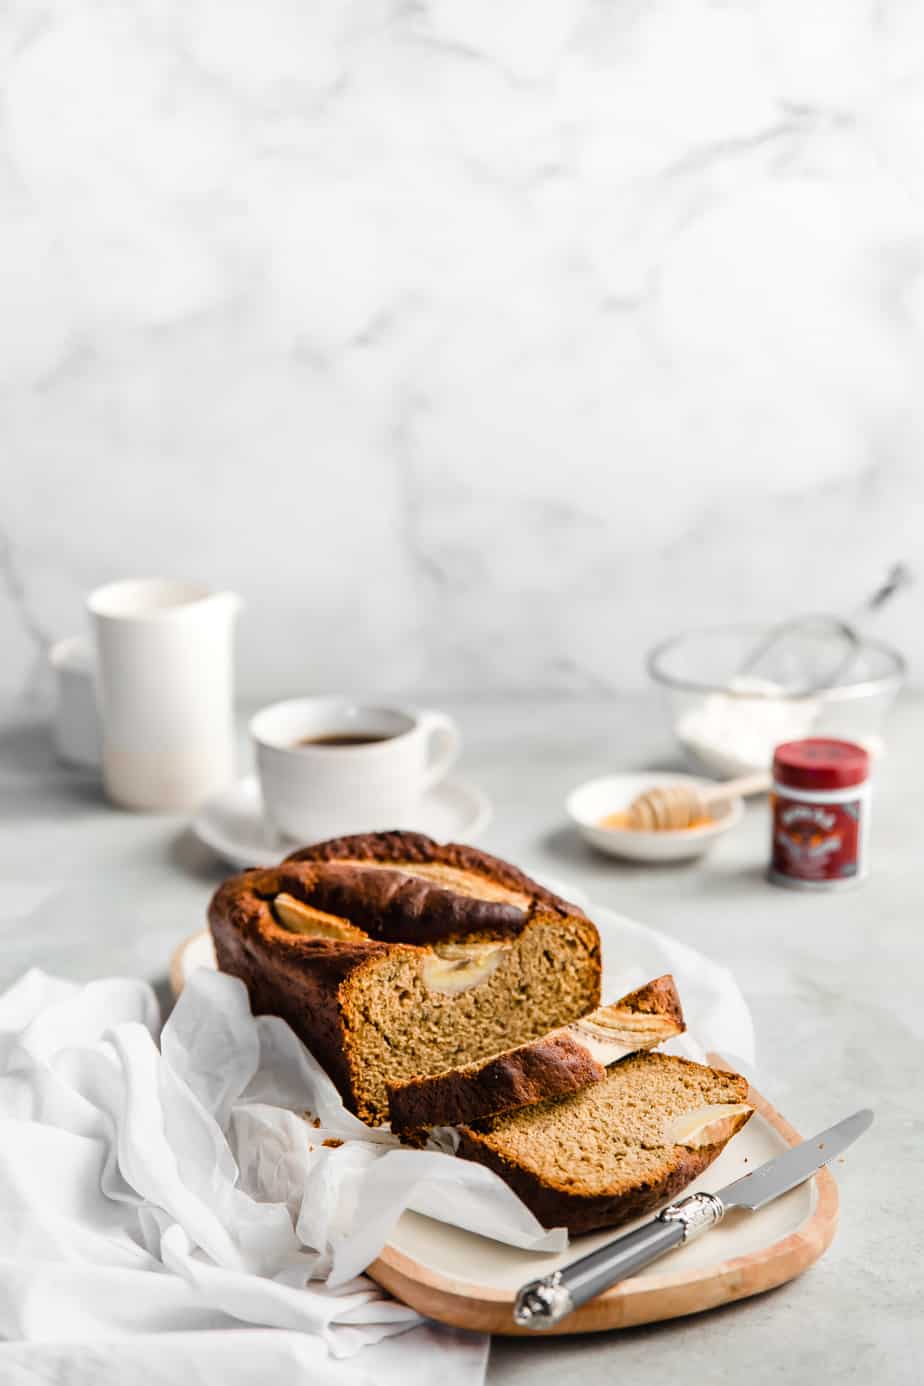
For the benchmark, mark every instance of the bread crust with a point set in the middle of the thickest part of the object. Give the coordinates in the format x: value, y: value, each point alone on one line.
x: 553, y: 1066
x: 657, y: 997
x: 308, y: 981
x: 395, y: 908
x: 556, y: 1206
x: 303, y: 980
x: 540, y: 1069
x: 417, y: 848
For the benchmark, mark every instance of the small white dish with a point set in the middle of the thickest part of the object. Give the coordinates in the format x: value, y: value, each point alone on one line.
x: 233, y: 824
x: 593, y: 800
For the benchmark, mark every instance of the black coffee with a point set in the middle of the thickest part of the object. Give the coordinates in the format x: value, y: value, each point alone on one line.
x: 342, y: 739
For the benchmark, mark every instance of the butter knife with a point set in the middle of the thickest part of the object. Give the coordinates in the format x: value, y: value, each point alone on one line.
x: 544, y: 1303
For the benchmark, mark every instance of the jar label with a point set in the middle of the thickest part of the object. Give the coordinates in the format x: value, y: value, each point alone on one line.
x: 816, y: 842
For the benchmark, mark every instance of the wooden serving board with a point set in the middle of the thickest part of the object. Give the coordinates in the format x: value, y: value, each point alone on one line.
x: 471, y: 1282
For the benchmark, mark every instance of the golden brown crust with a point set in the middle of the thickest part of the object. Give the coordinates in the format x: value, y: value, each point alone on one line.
x: 535, y: 1071
x: 398, y: 908
x: 552, y: 1066
x: 658, y: 997
x: 286, y: 974
x: 585, y: 1213
x: 417, y: 848
x: 556, y: 1205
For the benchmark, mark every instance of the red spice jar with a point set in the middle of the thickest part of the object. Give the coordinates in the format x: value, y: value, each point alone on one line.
x: 820, y: 810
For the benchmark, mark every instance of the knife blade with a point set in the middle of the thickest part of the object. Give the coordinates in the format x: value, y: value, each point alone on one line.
x: 794, y: 1166
x: 543, y: 1303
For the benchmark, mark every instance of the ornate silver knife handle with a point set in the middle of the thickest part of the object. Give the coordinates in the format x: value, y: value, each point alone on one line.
x: 543, y: 1303
x: 696, y: 1214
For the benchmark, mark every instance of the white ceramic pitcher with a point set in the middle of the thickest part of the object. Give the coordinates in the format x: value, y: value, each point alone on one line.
x: 165, y: 690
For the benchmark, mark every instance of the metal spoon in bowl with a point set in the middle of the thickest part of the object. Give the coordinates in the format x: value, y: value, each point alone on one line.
x: 841, y: 636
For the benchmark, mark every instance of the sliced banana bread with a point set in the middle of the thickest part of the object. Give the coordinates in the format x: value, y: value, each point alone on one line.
x: 563, y: 1061
x: 391, y: 956
x: 618, y: 1148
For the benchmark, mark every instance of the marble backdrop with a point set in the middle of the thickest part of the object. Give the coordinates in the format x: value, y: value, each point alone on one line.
x: 476, y: 344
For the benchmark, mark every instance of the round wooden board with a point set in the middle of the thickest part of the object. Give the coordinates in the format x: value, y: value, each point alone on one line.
x: 648, y: 1298
x: 643, y: 1299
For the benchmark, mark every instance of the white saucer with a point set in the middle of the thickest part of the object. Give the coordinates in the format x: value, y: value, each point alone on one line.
x: 233, y: 825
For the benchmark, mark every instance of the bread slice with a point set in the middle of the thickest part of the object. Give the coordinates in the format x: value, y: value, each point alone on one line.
x: 392, y: 956
x: 563, y: 1061
x: 616, y: 1149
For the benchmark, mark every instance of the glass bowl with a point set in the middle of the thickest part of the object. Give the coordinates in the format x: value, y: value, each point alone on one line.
x: 728, y: 722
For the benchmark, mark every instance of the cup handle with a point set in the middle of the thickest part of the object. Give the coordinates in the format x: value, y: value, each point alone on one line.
x: 444, y: 741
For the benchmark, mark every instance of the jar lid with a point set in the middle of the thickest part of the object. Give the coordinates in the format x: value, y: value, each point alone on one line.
x: 820, y: 762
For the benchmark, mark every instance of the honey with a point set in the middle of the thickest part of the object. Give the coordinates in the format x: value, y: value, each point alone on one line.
x: 621, y: 822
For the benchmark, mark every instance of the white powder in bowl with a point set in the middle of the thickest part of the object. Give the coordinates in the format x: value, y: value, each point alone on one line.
x: 735, y: 735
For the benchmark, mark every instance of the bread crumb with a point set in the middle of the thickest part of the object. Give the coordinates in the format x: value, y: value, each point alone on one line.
x: 332, y: 1143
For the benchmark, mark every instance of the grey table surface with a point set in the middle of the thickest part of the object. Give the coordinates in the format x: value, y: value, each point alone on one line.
x: 834, y: 982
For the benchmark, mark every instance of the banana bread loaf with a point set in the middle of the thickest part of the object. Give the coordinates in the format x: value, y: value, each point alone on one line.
x: 392, y: 956
x: 563, y: 1061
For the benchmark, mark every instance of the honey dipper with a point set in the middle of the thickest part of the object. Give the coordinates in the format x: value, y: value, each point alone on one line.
x: 673, y: 806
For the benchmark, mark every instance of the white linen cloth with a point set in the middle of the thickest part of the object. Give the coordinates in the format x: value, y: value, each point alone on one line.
x: 160, y: 1202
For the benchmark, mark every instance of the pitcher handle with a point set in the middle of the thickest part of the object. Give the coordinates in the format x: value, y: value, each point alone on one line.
x: 444, y: 741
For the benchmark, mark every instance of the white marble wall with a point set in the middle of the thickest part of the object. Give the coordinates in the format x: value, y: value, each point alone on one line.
x: 476, y: 344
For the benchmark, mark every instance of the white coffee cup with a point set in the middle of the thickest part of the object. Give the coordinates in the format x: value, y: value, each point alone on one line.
x: 312, y: 789
x: 165, y: 690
